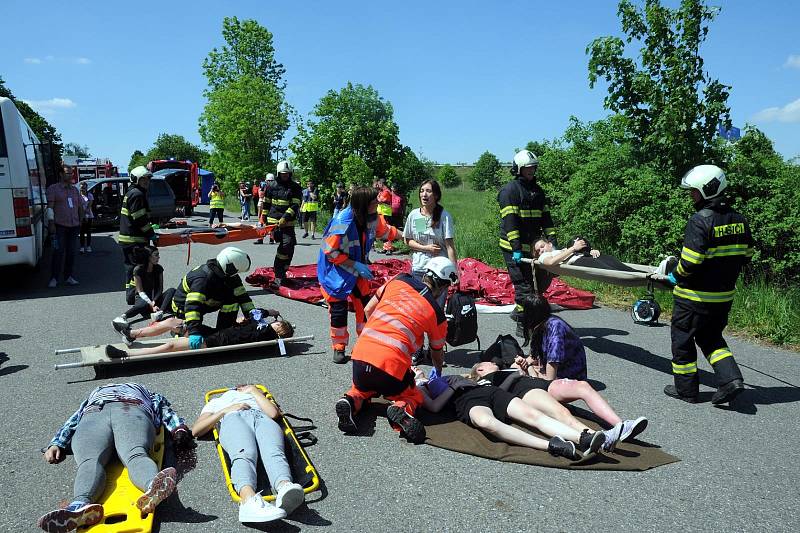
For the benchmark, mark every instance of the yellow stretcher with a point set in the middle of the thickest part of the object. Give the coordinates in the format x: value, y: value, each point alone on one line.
x: 120, y: 514
x: 303, y: 470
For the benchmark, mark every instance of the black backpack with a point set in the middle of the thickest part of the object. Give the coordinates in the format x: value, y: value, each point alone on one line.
x: 504, y: 349
x: 462, y: 320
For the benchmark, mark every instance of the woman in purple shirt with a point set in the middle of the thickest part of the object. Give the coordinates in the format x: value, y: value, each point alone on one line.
x: 556, y: 349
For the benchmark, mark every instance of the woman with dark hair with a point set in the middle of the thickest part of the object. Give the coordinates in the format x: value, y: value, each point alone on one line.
x: 341, y: 267
x: 429, y: 232
x: 147, y: 287
x: 556, y: 350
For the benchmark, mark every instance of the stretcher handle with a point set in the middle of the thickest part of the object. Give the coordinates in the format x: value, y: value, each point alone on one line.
x: 184, y: 353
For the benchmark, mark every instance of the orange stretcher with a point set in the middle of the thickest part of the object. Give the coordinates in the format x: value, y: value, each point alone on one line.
x: 214, y: 235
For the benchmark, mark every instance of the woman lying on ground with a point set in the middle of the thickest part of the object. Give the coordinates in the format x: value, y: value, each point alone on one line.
x: 248, y: 430
x: 486, y: 407
x: 121, y: 420
x: 148, y: 288
x: 256, y: 328
x: 546, y: 394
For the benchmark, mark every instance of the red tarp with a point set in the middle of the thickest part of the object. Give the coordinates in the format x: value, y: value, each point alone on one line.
x: 488, y: 285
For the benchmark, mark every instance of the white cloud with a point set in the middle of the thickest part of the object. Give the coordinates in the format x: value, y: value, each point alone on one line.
x: 793, y: 61
x: 51, y: 105
x: 788, y: 113
x: 82, y: 60
x: 33, y: 60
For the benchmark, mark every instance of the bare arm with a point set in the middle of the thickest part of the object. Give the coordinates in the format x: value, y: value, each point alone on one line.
x: 266, y: 406
x: 417, y: 247
x: 207, y: 421
x: 434, y: 405
x: 564, y: 254
x: 450, y: 246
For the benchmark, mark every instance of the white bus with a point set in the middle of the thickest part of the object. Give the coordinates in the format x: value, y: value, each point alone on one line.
x: 22, y: 190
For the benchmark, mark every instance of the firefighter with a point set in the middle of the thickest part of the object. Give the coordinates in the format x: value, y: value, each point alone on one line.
x: 135, y: 230
x: 524, y: 218
x: 342, y: 263
x: 399, y: 315
x: 282, y: 205
x: 214, y: 286
x: 717, y: 244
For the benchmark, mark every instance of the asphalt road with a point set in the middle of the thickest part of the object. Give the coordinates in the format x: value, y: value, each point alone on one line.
x: 739, y: 467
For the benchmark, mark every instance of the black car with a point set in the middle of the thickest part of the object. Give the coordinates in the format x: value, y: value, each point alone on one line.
x: 108, y: 193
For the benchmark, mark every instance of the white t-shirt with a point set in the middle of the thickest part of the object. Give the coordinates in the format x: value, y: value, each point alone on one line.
x: 418, y: 227
x: 569, y: 260
x: 227, y: 399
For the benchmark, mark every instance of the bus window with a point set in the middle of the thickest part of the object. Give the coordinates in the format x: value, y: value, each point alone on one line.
x: 3, y: 145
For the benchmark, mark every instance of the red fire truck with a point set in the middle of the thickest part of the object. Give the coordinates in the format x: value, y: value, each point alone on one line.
x: 183, y: 177
x: 84, y: 168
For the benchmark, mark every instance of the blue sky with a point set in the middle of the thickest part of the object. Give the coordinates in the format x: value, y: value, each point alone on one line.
x: 463, y: 76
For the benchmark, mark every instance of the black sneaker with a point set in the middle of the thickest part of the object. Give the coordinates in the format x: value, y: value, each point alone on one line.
x: 344, y: 410
x: 339, y: 357
x: 562, y: 448
x: 411, y: 428
x: 727, y: 392
x: 305, y: 235
x: 591, y: 442
x: 276, y: 284
x: 115, y: 353
x: 122, y: 327
x: 259, y: 241
x: 421, y: 357
x: 672, y: 391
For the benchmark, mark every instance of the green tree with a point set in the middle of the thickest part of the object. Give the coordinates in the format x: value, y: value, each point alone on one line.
x: 448, y: 176
x: 673, y: 107
x: 352, y: 121
x: 355, y: 171
x: 137, y: 159
x: 407, y: 172
x: 486, y: 172
x: 172, y: 145
x: 77, y: 150
x: 246, y: 115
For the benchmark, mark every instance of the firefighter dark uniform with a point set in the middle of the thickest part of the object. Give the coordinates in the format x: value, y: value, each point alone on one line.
x: 282, y: 204
x: 134, y: 227
x: 716, y: 246
x: 524, y: 218
x: 206, y: 289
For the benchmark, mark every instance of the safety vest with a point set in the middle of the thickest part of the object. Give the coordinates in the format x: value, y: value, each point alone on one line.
x: 217, y: 200
x: 385, y: 203
x: 340, y: 241
x: 309, y: 205
x: 406, y: 311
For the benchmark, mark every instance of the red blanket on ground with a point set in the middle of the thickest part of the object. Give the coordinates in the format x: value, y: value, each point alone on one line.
x: 488, y: 285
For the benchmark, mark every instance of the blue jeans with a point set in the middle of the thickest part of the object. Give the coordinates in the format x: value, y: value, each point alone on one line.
x: 245, y: 209
x: 247, y: 434
x: 64, y: 254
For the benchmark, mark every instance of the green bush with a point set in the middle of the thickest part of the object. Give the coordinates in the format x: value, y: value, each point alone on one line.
x: 448, y: 177
x: 485, y: 173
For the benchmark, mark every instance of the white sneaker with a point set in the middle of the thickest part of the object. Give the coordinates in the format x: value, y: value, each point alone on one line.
x: 612, y: 437
x: 255, y: 509
x: 290, y: 497
x: 88, y: 249
x: 53, y: 283
x: 631, y: 428
x: 81, y: 250
x: 72, y: 281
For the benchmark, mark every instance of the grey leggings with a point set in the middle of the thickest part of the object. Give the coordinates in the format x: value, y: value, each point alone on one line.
x: 245, y: 435
x: 120, y: 427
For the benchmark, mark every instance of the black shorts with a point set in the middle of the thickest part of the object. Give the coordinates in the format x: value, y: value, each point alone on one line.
x: 310, y: 216
x: 237, y: 334
x: 524, y: 385
x: 492, y: 397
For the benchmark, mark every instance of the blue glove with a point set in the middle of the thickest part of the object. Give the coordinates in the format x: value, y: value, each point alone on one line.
x: 195, y: 342
x: 434, y: 374
x: 363, y: 270
x: 516, y: 256
x: 671, y: 278
x: 437, y: 386
x: 154, y: 238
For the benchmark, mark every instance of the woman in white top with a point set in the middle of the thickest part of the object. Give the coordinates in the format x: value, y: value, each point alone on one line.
x: 248, y: 429
x: 429, y: 231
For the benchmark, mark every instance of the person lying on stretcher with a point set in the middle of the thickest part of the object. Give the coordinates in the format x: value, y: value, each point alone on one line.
x: 115, y: 420
x: 579, y: 254
x: 256, y: 328
x: 249, y: 429
x: 489, y: 408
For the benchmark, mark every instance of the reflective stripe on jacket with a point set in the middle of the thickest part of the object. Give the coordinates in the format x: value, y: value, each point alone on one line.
x: 524, y: 215
x: 134, y: 222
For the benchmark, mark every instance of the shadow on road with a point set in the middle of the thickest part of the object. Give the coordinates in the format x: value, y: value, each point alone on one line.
x: 100, y: 271
x: 4, y: 371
